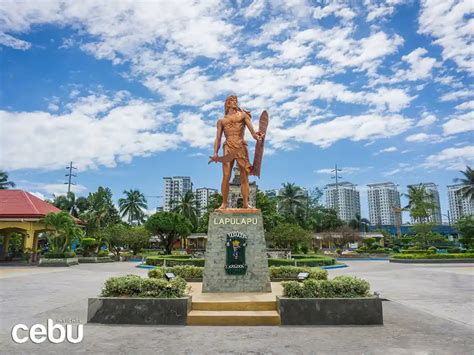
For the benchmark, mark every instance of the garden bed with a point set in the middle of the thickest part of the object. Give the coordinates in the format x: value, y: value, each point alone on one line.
x: 432, y: 261
x: 432, y: 258
x: 58, y: 261
x: 330, y: 311
x: 151, y: 311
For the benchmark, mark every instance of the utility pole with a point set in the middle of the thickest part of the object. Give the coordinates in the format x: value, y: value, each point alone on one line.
x: 336, y: 176
x: 70, y: 175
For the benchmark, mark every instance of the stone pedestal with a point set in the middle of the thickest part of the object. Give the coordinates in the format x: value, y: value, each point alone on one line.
x: 222, y: 226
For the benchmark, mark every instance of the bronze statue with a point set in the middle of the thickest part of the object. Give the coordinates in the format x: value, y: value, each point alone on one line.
x: 235, y: 147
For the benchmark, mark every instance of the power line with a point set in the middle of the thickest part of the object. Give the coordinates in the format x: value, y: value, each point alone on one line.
x: 70, y: 175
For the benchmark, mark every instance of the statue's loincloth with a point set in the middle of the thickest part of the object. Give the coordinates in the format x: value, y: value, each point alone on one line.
x: 238, y: 148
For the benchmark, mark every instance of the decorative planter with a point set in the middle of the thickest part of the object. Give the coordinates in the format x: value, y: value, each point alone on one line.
x: 152, y: 311
x: 58, y: 262
x: 330, y: 311
x: 432, y: 261
x: 94, y: 259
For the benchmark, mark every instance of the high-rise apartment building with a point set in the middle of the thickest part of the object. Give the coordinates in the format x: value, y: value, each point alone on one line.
x: 344, y: 198
x: 458, y: 204
x: 433, y: 190
x: 384, y: 199
x: 203, y: 194
x: 175, y: 188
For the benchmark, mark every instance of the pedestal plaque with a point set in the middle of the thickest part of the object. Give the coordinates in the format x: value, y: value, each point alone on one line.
x: 236, y: 258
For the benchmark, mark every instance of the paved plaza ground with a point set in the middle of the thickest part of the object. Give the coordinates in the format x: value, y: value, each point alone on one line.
x: 429, y: 311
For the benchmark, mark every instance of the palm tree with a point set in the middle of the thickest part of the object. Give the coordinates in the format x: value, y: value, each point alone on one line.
x: 69, y: 202
x: 467, y: 190
x: 186, y: 206
x: 291, y: 198
x: 357, y: 222
x: 4, y: 183
x: 132, y: 206
x: 421, y: 203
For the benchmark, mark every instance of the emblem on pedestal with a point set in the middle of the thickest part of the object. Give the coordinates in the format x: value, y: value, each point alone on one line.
x: 235, y: 249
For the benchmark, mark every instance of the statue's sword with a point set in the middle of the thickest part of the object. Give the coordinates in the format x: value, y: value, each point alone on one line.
x: 224, y: 159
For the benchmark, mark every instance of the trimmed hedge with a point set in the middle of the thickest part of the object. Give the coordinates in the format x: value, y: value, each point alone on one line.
x: 434, y: 256
x: 136, y: 286
x: 339, y: 287
x: 102, y: 253
x: 291, y: 272
x: 159, y: 261
x: 310, y: 261
x: 67, y: 254
x: 187, y: 272
x: 416, y: 251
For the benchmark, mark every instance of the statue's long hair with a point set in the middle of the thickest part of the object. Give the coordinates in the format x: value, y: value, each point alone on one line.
x: 228, y: 103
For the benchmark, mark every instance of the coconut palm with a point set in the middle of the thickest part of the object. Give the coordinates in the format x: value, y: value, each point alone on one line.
x: 69, y: 202
x: 186, y: 206
x: 467, y: 190
x: 357, y: 223
x: 132, y: 206
x: 421, y: 203
x: 4, y: 183
x: 291, y: 198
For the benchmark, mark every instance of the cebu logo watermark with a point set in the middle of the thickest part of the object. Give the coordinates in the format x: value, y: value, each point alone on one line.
x: 55, y: 333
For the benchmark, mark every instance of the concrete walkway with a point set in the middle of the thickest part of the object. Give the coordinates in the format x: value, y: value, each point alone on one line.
x: 430, y: 312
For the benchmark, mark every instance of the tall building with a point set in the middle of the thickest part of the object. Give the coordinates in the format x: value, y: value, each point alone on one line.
x: 433, y: 189
x: 344, y: 198
x: 383, y: 198
x: 203, y: 194
x: 458, y: 205
x: 175, y: 188
x: 235, y: 194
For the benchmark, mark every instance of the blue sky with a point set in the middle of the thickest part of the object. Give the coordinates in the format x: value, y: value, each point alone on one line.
x: 130, y: 91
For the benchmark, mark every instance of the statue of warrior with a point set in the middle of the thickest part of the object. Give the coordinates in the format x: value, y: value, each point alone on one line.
x: 235, y: 147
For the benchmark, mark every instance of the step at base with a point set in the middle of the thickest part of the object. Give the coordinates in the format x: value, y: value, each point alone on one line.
x: 233, y: 318
x: 234, y: 306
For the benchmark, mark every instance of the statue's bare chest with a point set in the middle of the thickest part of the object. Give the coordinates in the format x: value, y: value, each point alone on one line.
x: 233, y: 122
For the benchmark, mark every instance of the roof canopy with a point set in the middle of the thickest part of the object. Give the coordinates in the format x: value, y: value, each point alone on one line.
x: 22, y: 204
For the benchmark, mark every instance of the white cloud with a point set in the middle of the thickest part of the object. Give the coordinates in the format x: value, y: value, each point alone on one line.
x: 9, y: 41
x: 451, y: 158
x: 459, y: 124
x: 97, y: 131
x: 427, y: 120
x: 456, y: 95
x: 468, y: 105
x: 422, y: 137
x: 195, y: 131
x: 448, y: 22
x: 355, y: 128
x: 389, y: 150
x: 377, y: 9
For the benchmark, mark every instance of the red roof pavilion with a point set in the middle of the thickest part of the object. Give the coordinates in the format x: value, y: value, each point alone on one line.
x: 22, y: 204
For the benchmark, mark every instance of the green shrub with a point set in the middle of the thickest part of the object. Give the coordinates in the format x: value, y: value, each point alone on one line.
x: 66, y: 254
x: 186, y: 272
x: 432, y: 249
x: 136, y: 286
x: 159, y: 261
x: 339, y: 287
x: 79, y: 251
x: 434, y: 256
x: 308, y: 261
x: 102, y: 253
x: 417, y: 251
x: 291, y: 272
x: 89, y: 246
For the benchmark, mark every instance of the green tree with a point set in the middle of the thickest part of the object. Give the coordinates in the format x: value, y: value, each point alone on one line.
x: 62, y: 232
x: 132, y: 206
x: 4, y: 183
x: 69, y: 203
x: 467, y: 190
x: 268, y: 206
x: 168, y: 227
x: 287, y: 235
x: 465, y: 227
x: 358, y: 223
x: 421, y: 203
x: 186, y: 206
x: 214, y: 202
x: 323, y: 219
x: 114, y: 236
x: 291, y: 199
x: 137, y: 238
x: 101, y: 212
x: 424, y: 236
